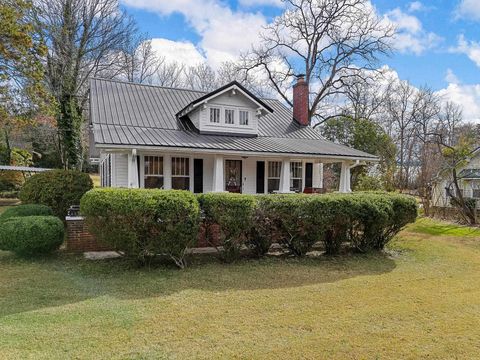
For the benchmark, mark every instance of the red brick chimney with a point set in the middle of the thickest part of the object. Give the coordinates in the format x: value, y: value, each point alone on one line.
x: 300, y: 101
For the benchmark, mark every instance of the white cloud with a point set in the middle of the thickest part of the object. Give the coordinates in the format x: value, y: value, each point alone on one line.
x: 467, y: 96
x: 224, y: 32
x: 415, y: 6
x: 252, y: 3
x: 451, y: 78
x: 468, y: 9
x: 469, y: 48
x: 183, y: 52
x: 411, y: 37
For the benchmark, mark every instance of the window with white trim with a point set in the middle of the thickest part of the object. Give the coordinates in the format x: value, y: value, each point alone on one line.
x: 273, y: 176
x: 180, y: 173
x: 296, y: 176
x: 243, y: 115
x: 214, y: 115
x: 229, y: 116
x: 153, y: 172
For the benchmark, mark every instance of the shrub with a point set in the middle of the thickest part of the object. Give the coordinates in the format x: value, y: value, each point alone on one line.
x: 234, y: 215
x: 26, y: 210
x: 143, y: 222
x: 31, y: 235
x: 9, y: 194
x: 58, y: 189
x: 6, y: 185
x: 291, y: 222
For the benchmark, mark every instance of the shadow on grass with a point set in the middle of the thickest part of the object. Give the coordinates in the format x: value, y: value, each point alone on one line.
x: 27, y: 285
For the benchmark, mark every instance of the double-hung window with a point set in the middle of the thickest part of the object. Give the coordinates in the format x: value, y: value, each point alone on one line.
x: 214, y: 115
x: 153, y: 172
x: 180, y: 173
x: 273, y: 174
x: 229, y: 116
x: 296, y: 176
x: 243, y: 117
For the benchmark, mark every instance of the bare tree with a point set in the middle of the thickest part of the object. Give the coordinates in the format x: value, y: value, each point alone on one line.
x: 170, y: 74
x: 332, y: 42
x: 137, y: 61
x: 426, y: 111
x: 85, y: 38
x: 200, y: 77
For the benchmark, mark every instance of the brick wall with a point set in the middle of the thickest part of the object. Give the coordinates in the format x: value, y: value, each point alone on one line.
x: 80, y: 240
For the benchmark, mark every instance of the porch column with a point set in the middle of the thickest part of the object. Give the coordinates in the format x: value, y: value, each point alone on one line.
x: 132, y: 169
x: 285, y: 177
x: 317, y: 175
x: 218, y: 174
x: 167, y: 172
x: 345, y: 178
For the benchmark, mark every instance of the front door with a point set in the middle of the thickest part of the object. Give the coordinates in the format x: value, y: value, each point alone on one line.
x: 233, y: 176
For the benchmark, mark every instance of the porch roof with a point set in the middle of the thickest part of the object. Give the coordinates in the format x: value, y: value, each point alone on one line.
x: 469, y: 174
x: 129, y: 115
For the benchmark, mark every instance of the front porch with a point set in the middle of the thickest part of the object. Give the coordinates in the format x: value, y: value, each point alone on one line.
x: 212, y: 172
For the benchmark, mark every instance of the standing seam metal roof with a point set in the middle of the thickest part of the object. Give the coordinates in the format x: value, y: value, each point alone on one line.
x: 144, y: 115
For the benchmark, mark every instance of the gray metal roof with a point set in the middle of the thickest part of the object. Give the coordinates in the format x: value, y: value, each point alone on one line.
x: 469, y: 174
x: 144, y: 115
x: 22, y: 168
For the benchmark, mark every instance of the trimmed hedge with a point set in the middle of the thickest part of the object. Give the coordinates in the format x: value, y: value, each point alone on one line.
x: 31, y: 235
x: 26, y: 210
x: 143, y: 222
x: 58, y: 189
x: 234, y: 215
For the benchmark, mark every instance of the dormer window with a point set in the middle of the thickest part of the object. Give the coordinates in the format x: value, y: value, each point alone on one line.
x: 214, y: 115
x: 243, y: 117
x: 229, y: 116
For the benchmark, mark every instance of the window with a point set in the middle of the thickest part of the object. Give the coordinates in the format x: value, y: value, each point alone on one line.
x: 274, y: 172
x: 214, y: 115
x: 153, y: 172
x: 180, y: 173
x: 296, y: 176
x: 243, y: 117
x: 229, y: 116
x: 476, y: 193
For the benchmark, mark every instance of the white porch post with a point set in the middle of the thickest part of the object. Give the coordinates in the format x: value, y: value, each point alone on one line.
x: 132, y: 169
x: 345, y: 178
x: 317, y: 181
x: 167, y: 172
x: 218, y: 174
x: 285, y: 177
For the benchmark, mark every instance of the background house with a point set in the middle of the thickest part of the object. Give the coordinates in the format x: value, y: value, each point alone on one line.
x: 469, y: 182
x: 225, y: 140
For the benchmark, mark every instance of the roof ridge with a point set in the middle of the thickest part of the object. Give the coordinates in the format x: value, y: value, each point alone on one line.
x: 170, y: 87
x: 146, y: 85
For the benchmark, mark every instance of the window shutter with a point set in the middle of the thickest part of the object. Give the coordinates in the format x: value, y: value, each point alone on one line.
x: 260, y: 177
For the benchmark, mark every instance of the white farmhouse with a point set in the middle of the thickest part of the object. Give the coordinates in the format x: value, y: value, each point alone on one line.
x: 225, y: 140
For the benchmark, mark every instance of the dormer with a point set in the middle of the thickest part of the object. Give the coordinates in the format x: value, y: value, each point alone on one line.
x: 231, y: 110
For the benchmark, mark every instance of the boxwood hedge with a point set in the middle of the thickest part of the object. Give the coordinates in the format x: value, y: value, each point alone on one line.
x: 31, y: 235
x: 143, y: 222
x: 234, y: 215
x: 58, y: 189
x: 26, y: 210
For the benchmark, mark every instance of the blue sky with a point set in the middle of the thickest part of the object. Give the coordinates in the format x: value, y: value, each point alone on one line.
x: 438, y: 41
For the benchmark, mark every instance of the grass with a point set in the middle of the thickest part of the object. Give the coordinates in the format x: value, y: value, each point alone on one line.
x: 3, y: 208
x: 421, y: 301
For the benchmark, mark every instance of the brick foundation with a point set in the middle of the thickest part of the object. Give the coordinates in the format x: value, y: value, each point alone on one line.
x: 80, y: 240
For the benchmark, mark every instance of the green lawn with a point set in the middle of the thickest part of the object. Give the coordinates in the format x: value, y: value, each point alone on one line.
x: 420, y: 301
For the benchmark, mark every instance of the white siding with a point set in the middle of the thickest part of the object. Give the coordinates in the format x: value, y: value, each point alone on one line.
x: 119, y: 170
x: 201, y: 116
